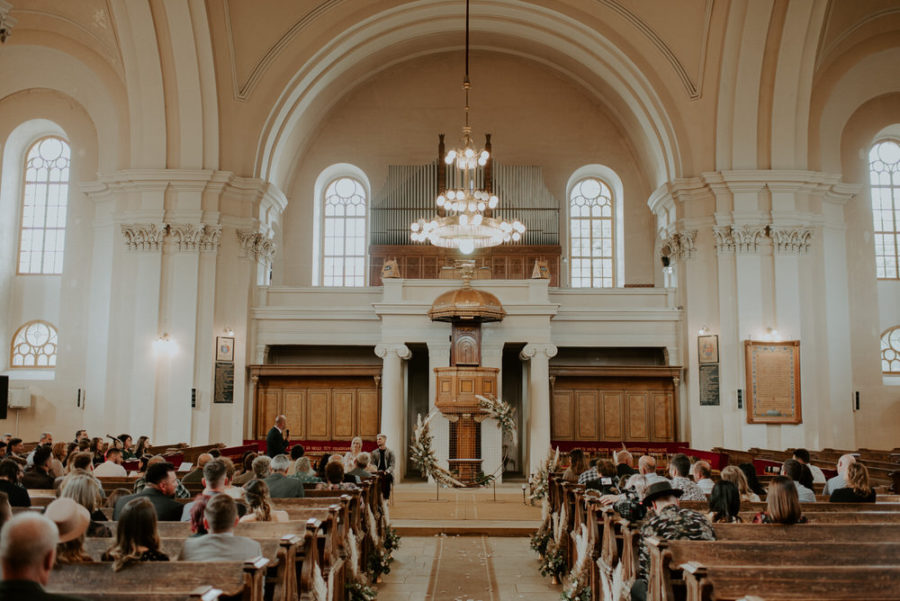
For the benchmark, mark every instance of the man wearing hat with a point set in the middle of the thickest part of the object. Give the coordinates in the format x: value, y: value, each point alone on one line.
x: 670, y: 522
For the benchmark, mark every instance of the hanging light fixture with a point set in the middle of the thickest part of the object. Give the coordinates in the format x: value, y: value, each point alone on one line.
x: 465, y: 214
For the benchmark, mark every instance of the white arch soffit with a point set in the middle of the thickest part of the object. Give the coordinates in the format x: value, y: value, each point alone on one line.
x: 615, y: 182
x: 38, y: 67
x: 365, y: 41
x: 875, y: 75
x: 328, y: 174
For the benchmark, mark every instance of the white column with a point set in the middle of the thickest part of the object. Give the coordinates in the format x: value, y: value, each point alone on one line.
x: 393, y: 414
x: 538, y: 422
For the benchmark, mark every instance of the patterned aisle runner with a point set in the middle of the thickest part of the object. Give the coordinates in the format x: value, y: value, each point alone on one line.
x: 462, y: 570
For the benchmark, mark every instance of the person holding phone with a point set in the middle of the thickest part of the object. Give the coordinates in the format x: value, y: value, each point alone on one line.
x: 278, y: 437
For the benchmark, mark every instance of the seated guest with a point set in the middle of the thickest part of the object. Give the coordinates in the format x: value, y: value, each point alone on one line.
x: 334, y: 478
x: 806, y: 477
x: 624, y: 463
x: 235, y: 492
x: 262, y: 467
x: 297, y: 452
x: 647, y: 467
x: 114, y: 497
x: 28, y: 554
x: 671, y: 522
x: 679, y: 468
x: 577, y: 465
x: 59, y: 452
x: 361, y: 470
x: 702, y: 475
x: 247, y: 463
x: 15, y: 450
x: 72, y: 521
x: 142, y: 446
x: 181, y: 491
x: 38, y: 475
x: 196, y: 474
x: 87, y: 492
x: 219, y: 519
x: 46, y: 440
x: 350, y: 456
x: 80, y: 461
x: 280, y: 486
x: 793, y: 470
x: 752, y: 481
x: 259, y: 503
x: 5, y: 509
x: 734, y: 474
x: 215, y: 481
x: 590, y: 473
x: 96, y: 448
x: 782, y: 504
x: 79, y: 434
x: 606, y: 483
x: 839, y: 481
x: 858, y: 489
x: 304, y: 472
x: 112, y: 467
x: 802, y: 455
x: 127, y: 447
x: 724, y: 503
x: 136, y: 536
x: 159, y: 490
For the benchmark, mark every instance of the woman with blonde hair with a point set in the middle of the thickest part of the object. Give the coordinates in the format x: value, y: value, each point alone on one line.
x: 356, y: 447
x: 782, y: 504
x: 256, y: 494
x: 858, y: 489
x: 733, y: 474
x: 87, y: 492
x: 304, y: 472
x: 136, y: 536
x: 57, y: 457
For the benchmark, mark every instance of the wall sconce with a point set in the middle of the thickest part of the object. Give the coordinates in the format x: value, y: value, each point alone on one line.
x: 164, y: 345
x: 771, y: 334
x: 229, y: 331
x: 704, y: 331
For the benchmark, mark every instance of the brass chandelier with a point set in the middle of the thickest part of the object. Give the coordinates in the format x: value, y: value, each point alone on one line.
x: 465, y: 215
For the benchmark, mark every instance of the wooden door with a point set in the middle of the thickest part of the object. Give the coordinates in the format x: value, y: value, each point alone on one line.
x: 318, y: 415
x: 294, y: 409
x: 368, y: 417
x: 561, y: 426
x: 612, y: 415
x: 637, y: 416
x: 267, y: 409
x: 586, y: 410
x: 342, y: 414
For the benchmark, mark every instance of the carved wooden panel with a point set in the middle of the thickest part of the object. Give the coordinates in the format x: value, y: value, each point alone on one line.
x: 488, y: 386
x: 457, y: 386
x: 342, y: 414
x: 516, y: 270
x: 465, y: 348
x: 294, y: 409
x: 586, y: 415
x: 561, y: 416
x: 267, y: 410
x: 637, y: 416
x: 318, y: 415
x: 662, y: 404
x: 367, y: 416
x: 612, y: 416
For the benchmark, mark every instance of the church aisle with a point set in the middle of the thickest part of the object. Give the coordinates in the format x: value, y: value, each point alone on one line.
x: 480, y: 568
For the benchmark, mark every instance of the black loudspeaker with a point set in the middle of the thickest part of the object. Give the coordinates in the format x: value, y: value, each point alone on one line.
x: 4, y: 395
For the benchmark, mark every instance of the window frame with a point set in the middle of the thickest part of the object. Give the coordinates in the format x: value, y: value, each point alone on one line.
x: 21, y: 225
x: 614, y: 234
x: 895, y: 208
x: 322, y: 237
x: 12, y: 344
x: 886, y: 334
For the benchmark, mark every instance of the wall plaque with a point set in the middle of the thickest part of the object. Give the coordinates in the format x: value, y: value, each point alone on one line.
x: 224, y: 387
x: 773, y: 382
x: 709, y: 384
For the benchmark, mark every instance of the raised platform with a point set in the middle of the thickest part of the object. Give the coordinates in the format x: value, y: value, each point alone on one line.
x: 418, y: 510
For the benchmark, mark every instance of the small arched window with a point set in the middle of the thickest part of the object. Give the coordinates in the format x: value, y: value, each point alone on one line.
x: 884, y: 179
x: 591, y: 234
x: 45, y: 196
x: 890, y: 352
x: 345, y: 221
x: 34, y: 345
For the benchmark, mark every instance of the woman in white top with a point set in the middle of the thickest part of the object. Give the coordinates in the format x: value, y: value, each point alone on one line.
x: 256, y: 493
x: 350, y: 456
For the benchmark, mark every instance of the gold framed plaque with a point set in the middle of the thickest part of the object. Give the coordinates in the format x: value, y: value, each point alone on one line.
x: 773, y: 382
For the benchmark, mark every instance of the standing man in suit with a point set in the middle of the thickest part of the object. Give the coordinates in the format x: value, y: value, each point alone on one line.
x: 277, y: 438
x: 383, y: 460
x: 160, y: 491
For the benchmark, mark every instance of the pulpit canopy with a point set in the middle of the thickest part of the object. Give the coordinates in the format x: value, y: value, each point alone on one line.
x: 467, y: 304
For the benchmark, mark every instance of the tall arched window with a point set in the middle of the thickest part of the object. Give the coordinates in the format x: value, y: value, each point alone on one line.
x: 890, y: 351
x: 344, y: 228
x: 884, y: 178
x: 591, y: 234
x: 34, y: 345
x: 45, y: 197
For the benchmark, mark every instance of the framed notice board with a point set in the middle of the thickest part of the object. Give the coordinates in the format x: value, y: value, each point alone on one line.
x: 224, y: 384
x: 773, y: 382
x: 709, y: 384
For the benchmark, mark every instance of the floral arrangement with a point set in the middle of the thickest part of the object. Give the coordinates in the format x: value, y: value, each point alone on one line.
x: 539, y: 541
x: 577, y: 587
x: 379, y: 563
x: 421, y: 454
x: 502, y: 412
x: 540, y: 480
x: 553, y: 562
x: 391, y: 540
x: 357, y: 591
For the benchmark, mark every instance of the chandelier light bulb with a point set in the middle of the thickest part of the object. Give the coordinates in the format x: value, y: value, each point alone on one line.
x: 469, y: 153
x: 485, y: 155
x: 493, y: 202
x: 516, y: 236
x: 466, y: 246
x: 414, y: 227
x: 464, y: 219
x: 472, y: 206
x: 481, y: 206
x: 477, y: 219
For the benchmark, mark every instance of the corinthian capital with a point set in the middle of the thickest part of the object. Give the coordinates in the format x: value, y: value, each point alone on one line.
x: 144, y: 236
x: 257, y: 245
x: 187, y: 235
x: 385, y: 349
x: 535, y: 349
x: 791, y: 240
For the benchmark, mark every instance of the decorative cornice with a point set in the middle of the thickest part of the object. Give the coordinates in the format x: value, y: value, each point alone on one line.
x: 257, y: 245
x: 679, y: 246
x: 791, y: 240
x: 187, y: 235
x: 6, y: 22
x: 144, y: 236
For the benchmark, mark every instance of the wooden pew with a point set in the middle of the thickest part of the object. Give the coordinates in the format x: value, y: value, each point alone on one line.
x: 242, y: 580
x: 703, y: 506
x: 795, y: 583
x: 841, y: 517
x: 665, y: 578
